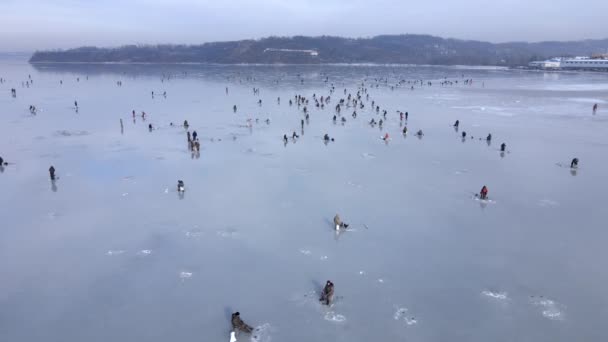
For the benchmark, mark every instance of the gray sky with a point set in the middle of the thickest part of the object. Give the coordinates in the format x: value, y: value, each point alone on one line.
x: 28, y: 25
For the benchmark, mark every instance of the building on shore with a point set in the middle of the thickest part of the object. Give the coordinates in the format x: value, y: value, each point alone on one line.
x: 595, y: 62
x: 553, y: 63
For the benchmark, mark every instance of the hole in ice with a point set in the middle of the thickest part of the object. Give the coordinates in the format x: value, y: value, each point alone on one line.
x: 185, y: 275
x: 495, y: 295
x: 334, y: 317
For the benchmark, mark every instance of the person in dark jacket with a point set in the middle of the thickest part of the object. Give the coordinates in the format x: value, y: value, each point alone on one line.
x: 239, y: 325
x: 328, y: 293
x: 574, y: 163
x: 52, y: 172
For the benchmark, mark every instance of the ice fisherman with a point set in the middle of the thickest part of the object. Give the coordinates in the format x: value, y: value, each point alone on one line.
x: 338, y: 223
x: 239, y: 325
x: 327, y: 295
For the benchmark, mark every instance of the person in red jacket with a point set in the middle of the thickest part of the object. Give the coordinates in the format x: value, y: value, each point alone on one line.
x: 483, y: 194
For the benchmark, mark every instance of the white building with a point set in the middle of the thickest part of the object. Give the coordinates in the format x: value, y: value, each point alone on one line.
x: 553, y: 63
x: 313, y: 53
x: 574, y: 63
x: 584, y: 63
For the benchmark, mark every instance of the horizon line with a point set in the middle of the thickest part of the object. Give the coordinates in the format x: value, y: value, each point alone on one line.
x: 297, y: 36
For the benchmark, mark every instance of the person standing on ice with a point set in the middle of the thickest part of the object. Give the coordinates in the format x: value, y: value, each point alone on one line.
x: 180, y: 186
x: 327, y: 296
x: 52, y: 172
x: 594, y: 108
x: 483, y: 194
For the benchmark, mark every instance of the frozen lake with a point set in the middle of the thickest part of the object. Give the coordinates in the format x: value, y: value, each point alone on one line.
x: 111, y: 252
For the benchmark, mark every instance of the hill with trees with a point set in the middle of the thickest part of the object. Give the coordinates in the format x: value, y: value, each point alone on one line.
x: 385, y: 49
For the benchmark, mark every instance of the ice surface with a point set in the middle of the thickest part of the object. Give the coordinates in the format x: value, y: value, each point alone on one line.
x: 495, y: 295
x: 334, y: 317
x: 254, y: 232
x: 185, y: 275
x: 549, y: 308
x: 262, y: 333
x: 402, y: 315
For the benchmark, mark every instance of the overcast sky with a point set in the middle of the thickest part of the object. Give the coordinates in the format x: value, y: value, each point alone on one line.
x: 28, y: 25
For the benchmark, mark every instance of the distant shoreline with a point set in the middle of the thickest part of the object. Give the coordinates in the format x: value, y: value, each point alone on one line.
x: 388, y: 65
x: 399, y: 50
